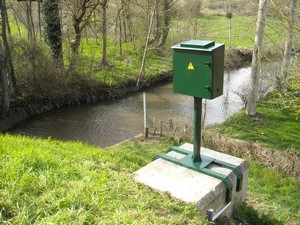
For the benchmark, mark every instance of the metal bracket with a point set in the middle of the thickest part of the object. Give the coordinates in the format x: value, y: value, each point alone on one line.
x: 211, y: 215
x: 187, y: 162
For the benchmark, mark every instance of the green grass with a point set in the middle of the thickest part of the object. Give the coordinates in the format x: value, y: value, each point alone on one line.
x: 275, y: 192
x: 273, y: 198
x: 123, y: 67
x: 277, y: 125
x: 47, y: 181
x: 217, y: 28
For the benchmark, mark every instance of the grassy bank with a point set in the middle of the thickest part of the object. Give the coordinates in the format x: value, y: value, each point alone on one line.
x: 47, y: 181
x: 277, y: 124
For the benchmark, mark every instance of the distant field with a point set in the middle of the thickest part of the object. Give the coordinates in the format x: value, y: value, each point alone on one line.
x: 217, y: 28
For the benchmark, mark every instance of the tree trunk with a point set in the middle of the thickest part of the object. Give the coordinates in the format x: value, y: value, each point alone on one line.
x: 198, y: 7
x: 288, y: 47
x: 255, y: 70
x: 81, y: 17
x: 31, y: 20
x: 15, y: 17
x: 4, y: 84
x: 104, y: 33
x: 9, y: 63
x: 230, y: 25
x: 39, y: 18
x: 53, y: 29
x: 120, y: 32
x: 128, y: 20
x: 142, y: 69
x: 29, y: 31
x: 158, y: 23
x: 166, y: 24
x: 75, y: 45
x: 8, y: 25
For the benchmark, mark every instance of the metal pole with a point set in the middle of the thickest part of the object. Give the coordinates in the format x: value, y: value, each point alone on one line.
x: 197, y: 129
x: 145, y: 114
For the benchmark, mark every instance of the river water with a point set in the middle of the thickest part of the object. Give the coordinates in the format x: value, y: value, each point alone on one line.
x: 106, y: 123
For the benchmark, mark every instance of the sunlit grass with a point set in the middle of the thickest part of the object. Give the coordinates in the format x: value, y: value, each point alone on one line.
x: 275, y: 127
x: 276, y: 192
x: 123, y: 66
x: 46, y: 181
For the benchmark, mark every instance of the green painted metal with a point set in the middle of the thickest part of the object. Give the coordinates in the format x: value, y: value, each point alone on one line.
x: 197, y: 129
x: 201, y: 167
x: 235, y: 170
x: 187, y: 162
x: 197, y: 44
x: 198, y: 68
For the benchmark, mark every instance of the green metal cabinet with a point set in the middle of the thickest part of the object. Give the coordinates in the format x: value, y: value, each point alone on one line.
x: 198, y: 68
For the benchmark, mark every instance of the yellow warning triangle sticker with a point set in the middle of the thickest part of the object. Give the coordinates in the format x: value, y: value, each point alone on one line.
x: 191, y: 67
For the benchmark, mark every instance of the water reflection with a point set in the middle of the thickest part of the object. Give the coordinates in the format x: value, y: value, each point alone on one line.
x: 106, y: 123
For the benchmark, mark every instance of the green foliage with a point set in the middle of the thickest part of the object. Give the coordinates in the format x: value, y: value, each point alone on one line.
x: 47, y: 181
x: 229, y: 15
x: 38, y: 79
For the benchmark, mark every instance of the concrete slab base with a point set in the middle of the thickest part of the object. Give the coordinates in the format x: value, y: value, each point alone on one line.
x: 192, y: 186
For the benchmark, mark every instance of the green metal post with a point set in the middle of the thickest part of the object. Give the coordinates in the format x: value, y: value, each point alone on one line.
x: 197, y: 129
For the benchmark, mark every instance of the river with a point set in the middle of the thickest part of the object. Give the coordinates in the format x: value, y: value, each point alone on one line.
x: 106, y: 123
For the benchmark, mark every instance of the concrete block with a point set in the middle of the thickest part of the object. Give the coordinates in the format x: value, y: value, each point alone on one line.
x: 192, y: 186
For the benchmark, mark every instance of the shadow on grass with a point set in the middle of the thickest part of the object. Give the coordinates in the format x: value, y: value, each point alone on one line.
x: 247, y: 215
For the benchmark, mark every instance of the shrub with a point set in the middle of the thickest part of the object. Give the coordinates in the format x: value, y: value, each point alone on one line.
x: 39, y: 78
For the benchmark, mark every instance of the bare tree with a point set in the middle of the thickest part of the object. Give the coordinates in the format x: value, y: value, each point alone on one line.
x: 81, y: 11
x: 119, y: 28
x: 229, y: 16
x: 39, y: 19
x: 104, y: 6
x: 128, y: 21
x: 3, y: 62
x: 28, y: 21
x: 167, y: 6
x: 8, y: 58
x: 257, y: 49
x: 288, y: 46
x: 142, y: 69
x: 4, y: 84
